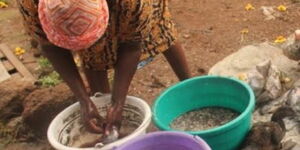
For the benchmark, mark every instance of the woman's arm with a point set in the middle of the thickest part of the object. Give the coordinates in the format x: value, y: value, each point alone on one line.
x: 126, y: 66
x: 63, y: 62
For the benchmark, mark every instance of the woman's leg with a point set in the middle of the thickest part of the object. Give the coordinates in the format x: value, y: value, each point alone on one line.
x: 98, y: 80
x: 177, y: 60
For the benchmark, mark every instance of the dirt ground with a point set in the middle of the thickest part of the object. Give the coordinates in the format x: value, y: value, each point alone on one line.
x: 209, y: 30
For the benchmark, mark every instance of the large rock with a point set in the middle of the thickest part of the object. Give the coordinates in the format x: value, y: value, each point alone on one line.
x: 13, y: 92
x: 291, y: 48
x: 248, y: 57
x: 42, y: 105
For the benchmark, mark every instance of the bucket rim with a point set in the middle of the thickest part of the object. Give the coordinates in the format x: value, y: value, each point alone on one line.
x: 194, y: 138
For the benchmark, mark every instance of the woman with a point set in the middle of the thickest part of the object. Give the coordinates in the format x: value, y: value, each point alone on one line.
x: 137, y: 30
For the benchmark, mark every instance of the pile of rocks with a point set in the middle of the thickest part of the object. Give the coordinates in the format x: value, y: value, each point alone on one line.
x: 275, y: 80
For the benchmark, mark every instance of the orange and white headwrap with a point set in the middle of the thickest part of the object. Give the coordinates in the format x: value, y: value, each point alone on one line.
x: 73, y: 24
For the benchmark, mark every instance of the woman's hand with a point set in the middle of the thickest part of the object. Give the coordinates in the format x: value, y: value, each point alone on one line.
x: 91, y: 117
x: 113, y: 119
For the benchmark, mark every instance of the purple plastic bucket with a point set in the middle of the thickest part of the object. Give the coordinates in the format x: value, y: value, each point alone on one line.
x: 165, y: 140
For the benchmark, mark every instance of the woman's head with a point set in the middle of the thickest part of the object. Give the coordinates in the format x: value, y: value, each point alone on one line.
x: 73, y: 24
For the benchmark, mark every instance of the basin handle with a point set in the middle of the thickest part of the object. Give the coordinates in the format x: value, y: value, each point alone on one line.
x: 98, y: 94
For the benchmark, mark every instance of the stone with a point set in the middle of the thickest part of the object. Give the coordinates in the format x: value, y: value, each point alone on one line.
x: 186, y: 36
x: 291, y: 48
x: 203, y: 119
x: 248, y: 57
x: 13, y: 92
x: 42, y: 105
x: 293, y: 100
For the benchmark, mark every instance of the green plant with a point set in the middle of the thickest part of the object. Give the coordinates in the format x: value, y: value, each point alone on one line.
x: 48, y: 77
x: 50, y: 80
x: 45, y: 67
x: 44, y: 63
x: 5, y: 1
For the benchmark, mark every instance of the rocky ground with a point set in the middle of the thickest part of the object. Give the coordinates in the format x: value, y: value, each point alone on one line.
x: 209, y: 31
x: 275, y: 81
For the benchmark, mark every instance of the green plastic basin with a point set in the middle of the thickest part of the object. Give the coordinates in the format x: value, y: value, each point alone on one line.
x: 208, y: 91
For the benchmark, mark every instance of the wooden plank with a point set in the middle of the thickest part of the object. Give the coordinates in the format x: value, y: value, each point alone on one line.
x: 16, y: 62
x: 16, y: 75
x: 8, y: 65
x: 4, y: 75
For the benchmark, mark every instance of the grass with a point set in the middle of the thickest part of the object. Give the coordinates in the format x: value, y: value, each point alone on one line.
x: 50, y: 80
x: 44, y: 63
x: 48, y: 77
x: 5, y: 1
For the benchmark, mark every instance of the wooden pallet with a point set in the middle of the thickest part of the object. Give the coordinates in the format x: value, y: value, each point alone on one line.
x: 4, y: 75
x: 14, y: 67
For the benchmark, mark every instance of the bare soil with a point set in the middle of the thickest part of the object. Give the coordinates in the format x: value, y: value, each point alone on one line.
x: 209, y: 30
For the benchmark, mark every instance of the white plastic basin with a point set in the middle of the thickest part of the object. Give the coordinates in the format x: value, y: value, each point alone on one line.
x: 59, y: 129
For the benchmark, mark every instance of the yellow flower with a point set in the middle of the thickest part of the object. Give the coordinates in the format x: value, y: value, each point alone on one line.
x: 3, y: 5
x: 280, y: 39
x: 249, y: 7
x: 242, y: 76
x: 19, y: 51
x: 245, y: 31
x: 286, y: 80
x: 281, y: 8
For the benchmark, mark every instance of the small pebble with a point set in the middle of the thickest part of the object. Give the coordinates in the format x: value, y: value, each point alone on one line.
x: 203, y: 119
x: 186, y: 36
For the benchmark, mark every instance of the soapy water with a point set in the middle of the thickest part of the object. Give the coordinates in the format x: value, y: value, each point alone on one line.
x: 74, y: 133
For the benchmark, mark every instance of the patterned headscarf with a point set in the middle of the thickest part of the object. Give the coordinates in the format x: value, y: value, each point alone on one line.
x: 73, y: 24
